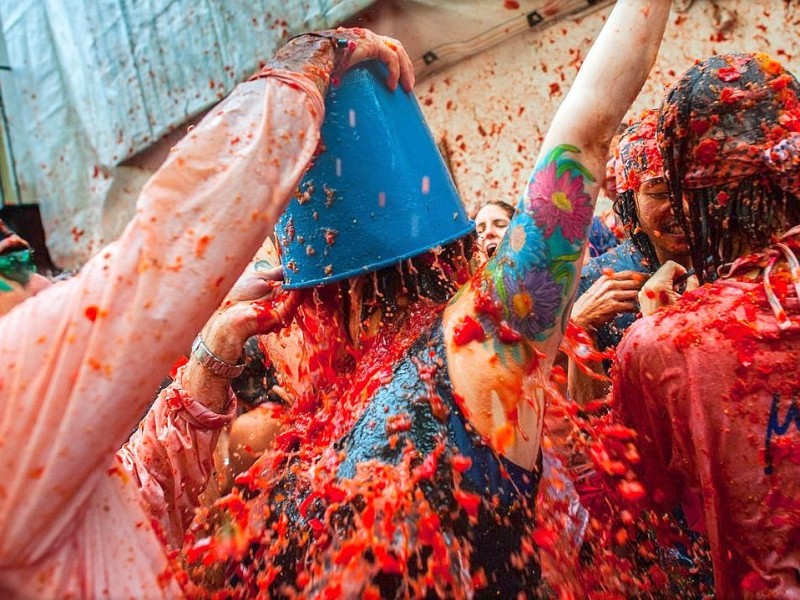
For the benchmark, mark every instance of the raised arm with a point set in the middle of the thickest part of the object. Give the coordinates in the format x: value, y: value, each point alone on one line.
x: 170, y: 455
x: 521, y: 298
x: 78, y: 360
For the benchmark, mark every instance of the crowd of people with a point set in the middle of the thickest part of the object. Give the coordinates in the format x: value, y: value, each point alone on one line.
x: 390, y: 432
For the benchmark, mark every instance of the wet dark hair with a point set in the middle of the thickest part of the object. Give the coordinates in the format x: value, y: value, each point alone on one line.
x: 508, y: 208
x: 434, y: 276
x: 754, y: 211
x: 254, y: 386
x: 734, y: 200
x: 625, y: 208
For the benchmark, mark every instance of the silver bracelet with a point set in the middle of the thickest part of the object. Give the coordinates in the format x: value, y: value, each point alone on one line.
x: 214, y: 363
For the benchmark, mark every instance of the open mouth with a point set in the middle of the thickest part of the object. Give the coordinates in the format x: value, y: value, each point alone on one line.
x: 491, y: 248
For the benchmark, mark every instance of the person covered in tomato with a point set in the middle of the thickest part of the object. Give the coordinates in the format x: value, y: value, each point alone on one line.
x: 408, y: 463
x: 710, y: 380
x: 80, y: 516
x: 606, y: 303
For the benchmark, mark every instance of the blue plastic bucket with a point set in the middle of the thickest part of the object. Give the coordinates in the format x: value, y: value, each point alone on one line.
x: 377, y: 194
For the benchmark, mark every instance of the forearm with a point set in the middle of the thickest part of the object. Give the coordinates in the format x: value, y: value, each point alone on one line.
x: 79, y: 358
x: 309, y: 54
x: 534, y: 273
x: 170, y: 456
x: 582, y: 386
x: 611, y: 76
x: 223, y: 339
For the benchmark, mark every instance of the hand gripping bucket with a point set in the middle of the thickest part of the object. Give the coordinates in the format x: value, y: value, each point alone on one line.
x: 377, y: 194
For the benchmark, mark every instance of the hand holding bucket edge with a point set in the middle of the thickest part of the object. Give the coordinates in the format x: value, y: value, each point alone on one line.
x: 356, y: 45
x: 258, y: 304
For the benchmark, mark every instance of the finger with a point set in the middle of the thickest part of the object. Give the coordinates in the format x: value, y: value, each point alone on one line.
x: 406, y: 66
x: 288, y: 305
x: 600, y: 285
x: 630, y: 275
x: 692, y: 283
x: 671, y: 270
x: 267, y: 272
x: 388, y: 55
x: 251, y: 287
x: 626, y: 307
x: 271, y: 314
x: 625, y: 295
x: 627, y: 284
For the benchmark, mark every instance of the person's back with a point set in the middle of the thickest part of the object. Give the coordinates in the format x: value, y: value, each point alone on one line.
x: 711, y: 382
x: 725, y: 377
x: 383, y: 473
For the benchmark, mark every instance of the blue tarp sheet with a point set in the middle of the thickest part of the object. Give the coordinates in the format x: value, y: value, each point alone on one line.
x: 94, y: 82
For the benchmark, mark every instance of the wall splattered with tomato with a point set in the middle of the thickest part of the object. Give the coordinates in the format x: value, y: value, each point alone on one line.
x: 492, y: 110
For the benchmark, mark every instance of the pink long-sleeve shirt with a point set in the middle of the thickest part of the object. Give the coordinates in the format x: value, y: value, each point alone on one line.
x: 78, y: 360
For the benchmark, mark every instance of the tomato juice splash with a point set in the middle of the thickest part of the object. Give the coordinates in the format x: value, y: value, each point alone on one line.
x: 318, y: 516
x: 280, y: 532
x: 626, y: 550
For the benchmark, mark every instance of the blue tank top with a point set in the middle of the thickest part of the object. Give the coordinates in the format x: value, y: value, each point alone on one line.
x: 507, y: 490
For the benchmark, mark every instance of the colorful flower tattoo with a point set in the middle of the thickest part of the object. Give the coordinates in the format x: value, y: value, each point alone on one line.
x: 556, y: 198
x: 523, y: 290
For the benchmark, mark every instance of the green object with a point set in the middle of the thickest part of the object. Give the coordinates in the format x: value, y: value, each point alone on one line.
x: 17, y: 266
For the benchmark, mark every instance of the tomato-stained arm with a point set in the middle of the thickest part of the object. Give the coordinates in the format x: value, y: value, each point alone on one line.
x: 79, y: 360
x: 521, y: 299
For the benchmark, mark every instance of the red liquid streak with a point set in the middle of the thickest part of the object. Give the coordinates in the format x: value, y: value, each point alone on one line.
x: 468, y: 330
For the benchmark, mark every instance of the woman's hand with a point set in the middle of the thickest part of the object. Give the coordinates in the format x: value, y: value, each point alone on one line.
x: 258, y: 304
x: 363, y: 45
x: 661, y: 289
x: 329, y: 53
x: 610, y: 295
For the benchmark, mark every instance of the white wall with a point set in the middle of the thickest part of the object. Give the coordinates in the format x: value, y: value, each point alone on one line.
x: 493, y: 109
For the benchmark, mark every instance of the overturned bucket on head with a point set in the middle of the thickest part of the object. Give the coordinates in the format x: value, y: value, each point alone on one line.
x: 377, y: 194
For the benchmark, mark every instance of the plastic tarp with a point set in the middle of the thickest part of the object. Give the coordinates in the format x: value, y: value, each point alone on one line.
x: 92, y: 83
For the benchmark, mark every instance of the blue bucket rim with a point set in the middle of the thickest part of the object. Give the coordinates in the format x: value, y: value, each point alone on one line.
x: 378, y: 265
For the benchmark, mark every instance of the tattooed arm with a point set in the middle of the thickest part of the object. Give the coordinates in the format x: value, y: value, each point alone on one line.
x: 507, y: 323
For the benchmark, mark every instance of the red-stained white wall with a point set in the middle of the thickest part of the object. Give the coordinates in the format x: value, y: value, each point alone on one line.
x: 493, y: 109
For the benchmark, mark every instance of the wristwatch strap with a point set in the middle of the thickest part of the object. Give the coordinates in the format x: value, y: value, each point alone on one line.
x: 214, y: 363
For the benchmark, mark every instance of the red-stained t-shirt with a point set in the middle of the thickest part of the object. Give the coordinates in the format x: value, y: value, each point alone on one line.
x: 713, y: 387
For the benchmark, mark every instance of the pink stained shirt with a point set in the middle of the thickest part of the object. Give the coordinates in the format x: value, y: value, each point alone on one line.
x: 78, y: 361
x: 170, y: 457
x: 700, y: 382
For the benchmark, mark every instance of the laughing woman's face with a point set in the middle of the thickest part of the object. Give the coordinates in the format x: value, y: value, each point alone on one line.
x: 491, y: 223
